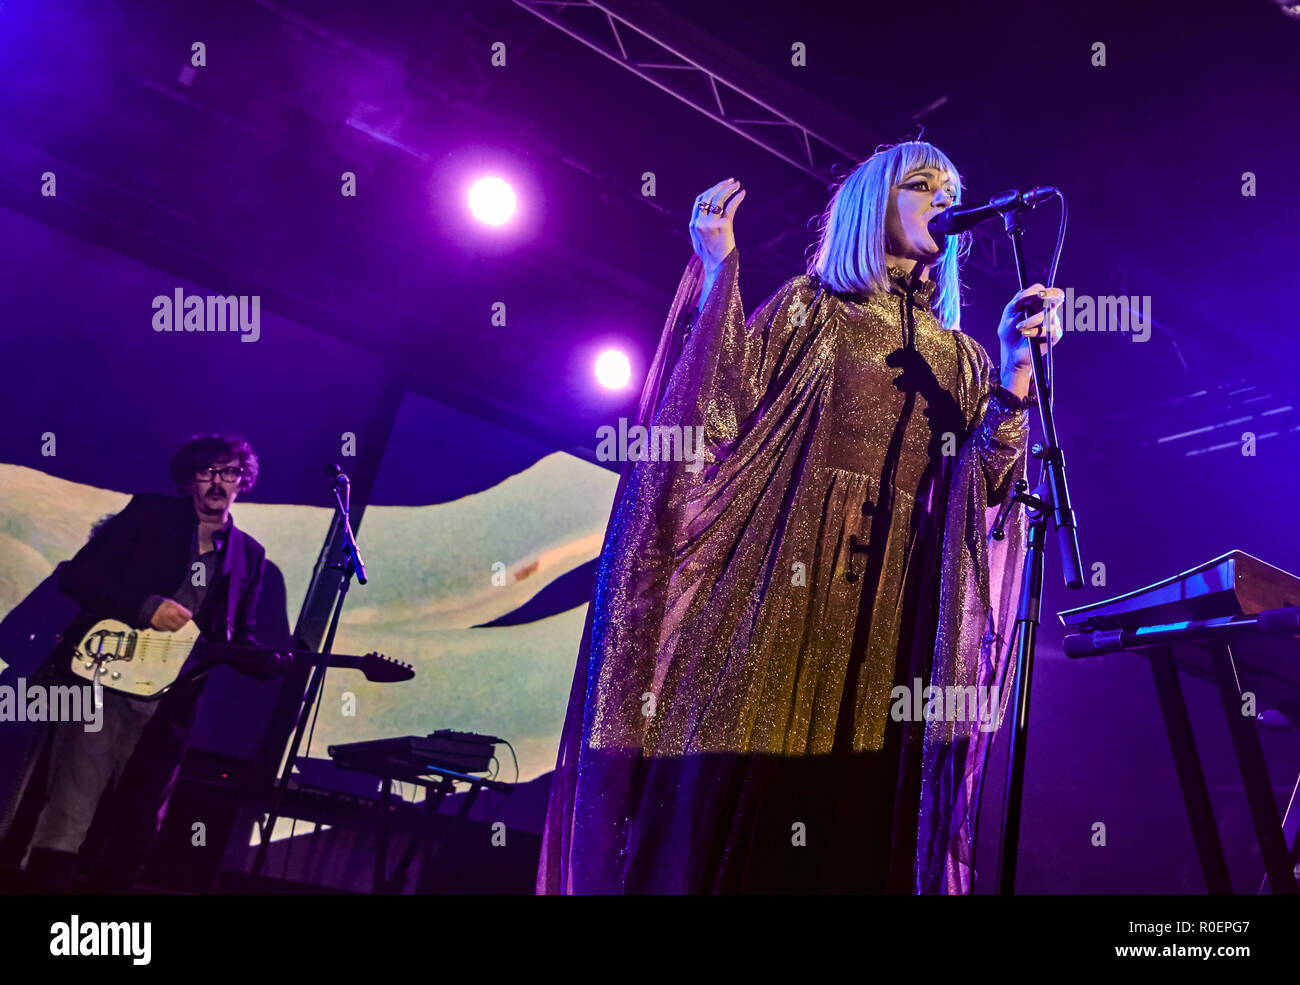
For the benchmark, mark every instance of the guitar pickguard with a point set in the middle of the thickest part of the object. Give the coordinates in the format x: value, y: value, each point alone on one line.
x: 138, y: 662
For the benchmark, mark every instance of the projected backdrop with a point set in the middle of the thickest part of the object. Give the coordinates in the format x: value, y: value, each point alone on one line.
x: 468, y: 542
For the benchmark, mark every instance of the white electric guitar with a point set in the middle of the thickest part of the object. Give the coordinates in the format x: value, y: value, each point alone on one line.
x: 145, y: 663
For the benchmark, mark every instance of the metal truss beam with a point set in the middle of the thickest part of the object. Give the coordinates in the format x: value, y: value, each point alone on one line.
x: 671, y: 65
x: 666, y: 56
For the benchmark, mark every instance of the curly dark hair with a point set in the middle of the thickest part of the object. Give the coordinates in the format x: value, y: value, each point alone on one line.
x: 202, y: 450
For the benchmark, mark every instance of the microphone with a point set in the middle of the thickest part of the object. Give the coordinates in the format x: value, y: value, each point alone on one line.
x: 340, y: 479
x: 952, y: 221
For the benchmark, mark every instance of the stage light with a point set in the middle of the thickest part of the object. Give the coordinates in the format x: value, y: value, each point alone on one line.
x: 492, y: 201
x: 613, y: 370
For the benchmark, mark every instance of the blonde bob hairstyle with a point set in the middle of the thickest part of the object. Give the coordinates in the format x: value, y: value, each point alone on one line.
x: 849, y: 255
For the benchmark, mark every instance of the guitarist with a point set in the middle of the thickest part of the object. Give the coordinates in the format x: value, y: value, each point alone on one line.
x: 161, y: 562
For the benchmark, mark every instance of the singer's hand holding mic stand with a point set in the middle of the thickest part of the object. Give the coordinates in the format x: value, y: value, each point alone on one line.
x: 1029, y: 329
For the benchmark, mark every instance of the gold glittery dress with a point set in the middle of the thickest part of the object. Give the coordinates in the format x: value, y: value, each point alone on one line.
x: 730, y: 724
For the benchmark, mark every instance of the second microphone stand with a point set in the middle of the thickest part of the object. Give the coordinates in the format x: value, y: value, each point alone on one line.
x: 349, y: 566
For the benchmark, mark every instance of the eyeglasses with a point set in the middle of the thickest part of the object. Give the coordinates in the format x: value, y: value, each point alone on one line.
x: 228, y: 474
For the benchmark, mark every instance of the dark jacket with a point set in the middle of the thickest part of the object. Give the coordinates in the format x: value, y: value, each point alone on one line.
x: 143, y: 551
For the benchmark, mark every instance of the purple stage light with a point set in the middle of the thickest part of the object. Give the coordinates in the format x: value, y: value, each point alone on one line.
x: 613, y: 370
x: 492, y: 200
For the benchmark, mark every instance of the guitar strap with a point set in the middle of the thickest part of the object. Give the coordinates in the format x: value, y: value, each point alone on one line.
x: 232, y: 560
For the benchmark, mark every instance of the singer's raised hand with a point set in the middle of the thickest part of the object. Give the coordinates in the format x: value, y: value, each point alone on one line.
x: 711, y: 223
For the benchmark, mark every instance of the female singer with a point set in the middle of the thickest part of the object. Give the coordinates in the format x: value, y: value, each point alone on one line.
x: 752, y: 709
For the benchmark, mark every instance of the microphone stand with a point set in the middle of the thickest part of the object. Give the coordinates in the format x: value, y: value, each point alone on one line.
x: 1051, y: 497
x: 350, y: 565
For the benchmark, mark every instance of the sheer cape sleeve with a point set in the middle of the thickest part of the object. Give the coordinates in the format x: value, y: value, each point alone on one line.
x: 979, y: 595
x: 712, y: 370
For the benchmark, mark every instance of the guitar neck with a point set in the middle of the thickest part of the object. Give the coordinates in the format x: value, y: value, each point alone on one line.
x: 232, y: 652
